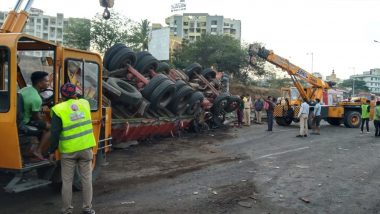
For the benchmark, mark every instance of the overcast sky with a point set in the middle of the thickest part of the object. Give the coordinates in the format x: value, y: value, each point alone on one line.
x: 339, y: 33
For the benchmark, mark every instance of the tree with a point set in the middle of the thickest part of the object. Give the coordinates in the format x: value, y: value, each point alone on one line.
x: 223, y: 52
x: 360, y: 85
x: 78, y: 33
x: 105, y: 33
x: 139, y: 37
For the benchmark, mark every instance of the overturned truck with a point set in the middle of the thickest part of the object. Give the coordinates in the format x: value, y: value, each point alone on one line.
x: 149, y: 98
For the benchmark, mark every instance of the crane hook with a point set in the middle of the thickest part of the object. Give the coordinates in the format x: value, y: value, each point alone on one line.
x: 106, y: 14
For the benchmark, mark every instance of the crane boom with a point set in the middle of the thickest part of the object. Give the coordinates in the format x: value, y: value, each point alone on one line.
x: 294, y: 72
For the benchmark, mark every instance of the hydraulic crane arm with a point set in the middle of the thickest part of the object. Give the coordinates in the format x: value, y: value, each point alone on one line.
x: 293, y: 70
x: 288, y: 66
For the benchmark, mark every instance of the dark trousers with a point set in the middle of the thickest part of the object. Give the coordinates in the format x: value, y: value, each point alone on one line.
x: 239, y: 113
x: 270, y: 120
x: 366, y: 120
x: 377, y: 127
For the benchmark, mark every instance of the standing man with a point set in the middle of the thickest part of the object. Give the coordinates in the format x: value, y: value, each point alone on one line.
x: 317, y: 117
x: 365, y: 115
x: 376, y: 121
x: 259, y: 104
x: 270, y: 108
x: 303, y: 116
x: 72, y: 133
x: 239, y: 112
x: 32, y: 110
x: 247, y: 110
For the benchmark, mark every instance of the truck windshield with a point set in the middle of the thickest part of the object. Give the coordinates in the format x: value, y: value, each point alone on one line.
x: 4, y: 79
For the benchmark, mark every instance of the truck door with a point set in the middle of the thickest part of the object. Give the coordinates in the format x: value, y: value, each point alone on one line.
x: 83, y: 70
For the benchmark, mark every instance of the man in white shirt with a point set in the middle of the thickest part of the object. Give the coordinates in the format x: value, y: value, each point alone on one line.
x: 303, y: 116
x: 317, y: 117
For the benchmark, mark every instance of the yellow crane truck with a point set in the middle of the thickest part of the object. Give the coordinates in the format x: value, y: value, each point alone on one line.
x: 20, y: 55
x: 285, y: 112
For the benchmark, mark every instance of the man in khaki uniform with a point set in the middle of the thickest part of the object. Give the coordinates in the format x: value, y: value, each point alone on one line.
x: 247, y: 111
x: 72, y: 133
x: 303, y: 115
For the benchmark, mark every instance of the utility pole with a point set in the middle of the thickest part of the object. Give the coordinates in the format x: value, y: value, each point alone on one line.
x: 353, y: 82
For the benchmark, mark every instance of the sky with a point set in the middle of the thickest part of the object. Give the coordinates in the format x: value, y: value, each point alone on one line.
x: 340, y: 34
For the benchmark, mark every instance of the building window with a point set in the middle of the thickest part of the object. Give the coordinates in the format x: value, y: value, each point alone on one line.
x: 198, y: 30
x: 185, y: 23
x: 203, y: 24
x: 203, y: 31
x: 175, y: 22
x: 213, y: 30
x: 39, y: 21
x: 214, y: 22
x: 192, y: 24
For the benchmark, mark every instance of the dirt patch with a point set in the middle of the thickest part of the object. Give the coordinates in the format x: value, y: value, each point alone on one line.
x: 253, y: 90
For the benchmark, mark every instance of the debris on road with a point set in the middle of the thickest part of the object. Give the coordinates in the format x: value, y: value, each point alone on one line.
x: 214, y: 192
x: 304, y: 200
x: 302, y: 166
x: 245, y: 204
x: 195, y: 193
x: 127, y: 202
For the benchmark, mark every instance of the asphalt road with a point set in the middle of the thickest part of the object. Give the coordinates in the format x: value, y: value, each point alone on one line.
x: 233, y: 170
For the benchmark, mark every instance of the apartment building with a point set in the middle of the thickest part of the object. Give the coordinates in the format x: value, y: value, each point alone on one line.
x: 42, y: 26
x: 371, y: 78
x: 193, y: 25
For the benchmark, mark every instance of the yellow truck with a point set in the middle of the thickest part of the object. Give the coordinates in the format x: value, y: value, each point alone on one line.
x: 63, y: 65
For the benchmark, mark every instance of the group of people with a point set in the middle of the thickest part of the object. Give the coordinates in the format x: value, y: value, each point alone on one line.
x: 257, y: 105
x: 70, y: 131
x: 303, y: 116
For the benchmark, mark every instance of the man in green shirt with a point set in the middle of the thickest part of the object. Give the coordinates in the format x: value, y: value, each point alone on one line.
x: 32, y: 102
x: 376, y: 120
x: 365, y: 115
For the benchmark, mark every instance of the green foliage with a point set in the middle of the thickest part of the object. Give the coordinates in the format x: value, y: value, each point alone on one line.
x: 280, y: 83
x: 224, y: 53
x: 139, y: 38
x: 78, y: 33
x: 360, y: 85
x: 105, y: 33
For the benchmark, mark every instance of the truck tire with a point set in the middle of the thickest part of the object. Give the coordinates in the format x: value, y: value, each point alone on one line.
x: 352, y: 119
x: 147, y: 63
x: 122, y: 59
x: 233, y: 102
x: 179, y: 84
x: 129, y: 94
x: 195, y: 103
x: 193, y: 68
x: 97, y: 166
x: 334, y: 121
x: 219, y: 104
x: 110, y: 53
x: 283, y: 121
x: 152, y: 85
x: 180, y: 100
x: 163, y: 67
x: 163, y: 94
x: 209, y: 73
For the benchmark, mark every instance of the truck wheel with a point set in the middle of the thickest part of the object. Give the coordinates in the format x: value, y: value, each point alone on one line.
x: 122, y: 59
x: 195, y: 103
x: 283, y: 121
x: 334, y: 121
x: 179, y: 84
x: 219, y: 104
x: 97, y: 163
x: 352, y: 119
x: 163, y: 94
x: 129, y: 94
x: 181, y: 99
x: 111, y: 52
x: 147, y: 63
x: 209, y: 73
x: 152, y: 85
x: 163, y: 67
x: 233, y: 102
x: 192, y: 69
